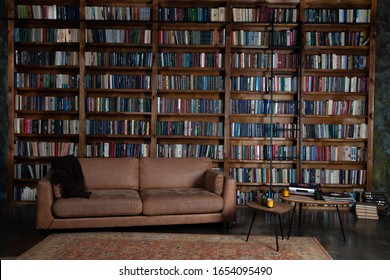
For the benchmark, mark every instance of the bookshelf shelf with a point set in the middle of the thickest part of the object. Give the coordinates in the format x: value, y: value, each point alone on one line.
x: 226, y: 79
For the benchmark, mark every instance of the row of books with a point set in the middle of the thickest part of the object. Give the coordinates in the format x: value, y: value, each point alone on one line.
x: 335, y: 107
x: 190, y: 128
x: 243, y: 197
x: 264, y: 14
x: 190, y: 82
x: 46, y: 126
x: 117, y: 127
x: 335, y: 38
x: 30, y: 171
x: 33, y: 80
x: 115, y: 149
x: 117, y: 104
x: 258, y: 83
x: 237, y: 152
x: 46, y: 35
x: 46, y: 58
x: 192, y: 59
x: 335, y: 84
x: 25, y: 193
x: 144, y: 59
x: 331, y: 131
x: 120, y: 59
x: 193, y: 106
x: 253, y: 83
x: 189, y: 150
x: 334, y: 176
x: 337, y: 15
x: 119, y: 36
x: 264, y: 60
x: 263, y: 175
x: 118, y: 13
x: 283, y: 38
x: 111, y: 81
x: 336, y: 61
x: 45, y: 149
x: 334, y: 153
x: 55, y: 12
x: 192, y: 37
x: 193, y: 14
x: 335, y: 131
x: 263, y: 106
x: 262, y: 152
x: 47, y: 103
x: 277, y: 130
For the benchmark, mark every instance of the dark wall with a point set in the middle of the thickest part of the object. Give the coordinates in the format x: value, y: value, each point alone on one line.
x: 3, y: 100
x: 382, y: 100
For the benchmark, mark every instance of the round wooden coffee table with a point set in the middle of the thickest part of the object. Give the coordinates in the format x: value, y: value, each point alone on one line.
x: 301, y: 200
x: 277, y: 210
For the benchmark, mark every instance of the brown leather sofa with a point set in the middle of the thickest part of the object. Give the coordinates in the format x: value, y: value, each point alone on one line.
x: 141, y: 192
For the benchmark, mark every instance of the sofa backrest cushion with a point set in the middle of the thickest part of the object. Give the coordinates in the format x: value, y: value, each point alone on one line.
x: 110, y: 173
x: 162, y: 173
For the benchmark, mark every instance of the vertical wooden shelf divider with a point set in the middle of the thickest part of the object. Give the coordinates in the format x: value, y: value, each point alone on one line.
x: 155, y: 50
x: 227, y: 95
x: 82, y: 94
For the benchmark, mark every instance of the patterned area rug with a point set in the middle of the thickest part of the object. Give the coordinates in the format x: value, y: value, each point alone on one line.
x: 169, y: 246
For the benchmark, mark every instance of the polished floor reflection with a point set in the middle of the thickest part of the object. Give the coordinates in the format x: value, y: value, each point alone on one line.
x: 365, y: 239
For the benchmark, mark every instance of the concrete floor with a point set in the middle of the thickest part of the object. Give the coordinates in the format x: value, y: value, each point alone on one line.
x: 365, y: 239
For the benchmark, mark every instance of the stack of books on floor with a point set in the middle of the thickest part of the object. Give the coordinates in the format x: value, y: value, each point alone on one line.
x: 379, y: 200
x: 366, y: 210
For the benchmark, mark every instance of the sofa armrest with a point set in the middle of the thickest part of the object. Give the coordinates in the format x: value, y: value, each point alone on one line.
x: 45, y: 199
x: 229, y: 195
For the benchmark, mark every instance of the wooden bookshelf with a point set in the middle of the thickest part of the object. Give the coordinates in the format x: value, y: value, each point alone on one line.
x: 345, y: 62
x: 225, y: 79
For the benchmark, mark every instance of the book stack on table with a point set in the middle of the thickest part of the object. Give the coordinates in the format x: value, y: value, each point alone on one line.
x: 338, y: 196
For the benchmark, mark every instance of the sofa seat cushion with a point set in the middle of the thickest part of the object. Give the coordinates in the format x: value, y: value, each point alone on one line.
x: 180, y: 201
x: 102, y: 203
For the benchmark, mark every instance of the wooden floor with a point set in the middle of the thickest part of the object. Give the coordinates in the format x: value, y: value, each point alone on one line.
x: 365, y: 239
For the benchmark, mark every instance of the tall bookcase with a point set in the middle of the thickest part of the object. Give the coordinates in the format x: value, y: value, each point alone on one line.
x: 263, y: 87
x: 338, y: 93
